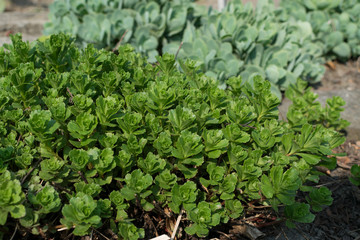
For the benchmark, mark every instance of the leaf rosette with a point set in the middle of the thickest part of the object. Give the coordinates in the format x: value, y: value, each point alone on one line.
x: 81, y: 213
x: 11, y: 198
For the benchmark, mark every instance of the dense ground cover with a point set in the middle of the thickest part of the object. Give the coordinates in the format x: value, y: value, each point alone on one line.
x: 236, y: 41
x: 305, y: 108
x: 105, y: 138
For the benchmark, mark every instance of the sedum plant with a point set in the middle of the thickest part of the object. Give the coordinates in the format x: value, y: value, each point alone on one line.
x: 306, y: 107
x: 335, y: 24
x: 246, y: 41
x: 82, y: 212
x: 237, y: 40
x: 146, y: 24
x: 355, y: 175
x: 95, y: 139
x: 11, y: 198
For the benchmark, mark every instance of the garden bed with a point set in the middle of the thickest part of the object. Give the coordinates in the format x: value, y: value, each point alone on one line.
x: 339, y: 221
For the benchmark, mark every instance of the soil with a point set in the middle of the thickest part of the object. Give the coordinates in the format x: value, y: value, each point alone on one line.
x: 339, y: 221
x: 27, y: 5
x: 341, y: 76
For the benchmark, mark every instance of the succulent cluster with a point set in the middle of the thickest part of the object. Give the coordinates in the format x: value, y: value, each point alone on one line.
x: 238, y: 40
x: 335, y: 23
x: 100, y: 138
x: 146, y: 24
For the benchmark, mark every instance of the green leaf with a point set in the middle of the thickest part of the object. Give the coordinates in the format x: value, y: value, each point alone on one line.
x: 343, y: 50
x: 355, y: 178
x: 203, y: 217
x: 136, y: 183
x: 319, y: 197
x: 79, y: 159
x: 11, y: 197
x: 106, y: 109
x: 48, y: 199
x: 166, y: 179
x: 227, y: 187
x: 187, y: 148
x: 163, y: 144
x: 263, y: 138
x: 82, y: 212
x: 3, y: 218
x: 183, y: 195
x: 130, y: 123
x: 266, y: 187
x: 234, y: 208
x: 129, y: 231
x: 214, y: 142
x: 298, y: 212
x: 105, y: 162
x: 181, y: 119
x: 151, y: 164
x: 187, y: 145
x: 310, y: 158
x: 91, y: 189
x: 84, y: 125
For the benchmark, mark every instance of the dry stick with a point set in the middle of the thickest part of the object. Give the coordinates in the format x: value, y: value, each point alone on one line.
x: 224, y: 234
x: 330, y: 183
x: 60, y: 187
x: 284, y: 234
x: 41, y: 233
x: 19, y: 138
x: 278, y: 236
x: 60, y: 228
x: 178, y: 50
x: 301, y: 232
x: 101, y: 234
x: 176, y: 225
x: 16, y: 227
x: 119, y: 43
x: 68, y: 236
x: 71, y: 96
x: 113, y: 235
x: 152, y: 224
x: 270, y: 223
x: 82, y: 177
x: 31, y: 170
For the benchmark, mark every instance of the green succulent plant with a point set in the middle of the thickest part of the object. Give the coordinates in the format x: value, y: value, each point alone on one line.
x: 105, y: 138
x: 335, y: 24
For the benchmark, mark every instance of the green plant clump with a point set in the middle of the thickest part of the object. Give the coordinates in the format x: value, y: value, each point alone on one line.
x: 238, y: 40
x: 355, y: 175
x: 244, y: 41
x: 336, y: 24
x: 146, y: 24
x: 91, y: 139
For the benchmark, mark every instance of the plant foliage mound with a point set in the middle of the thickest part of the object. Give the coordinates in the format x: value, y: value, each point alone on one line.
x: 146, y: 24
x: 246, y: 41
x: 236, y: 40
x: 336, y: 24
x: 91, y: 139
